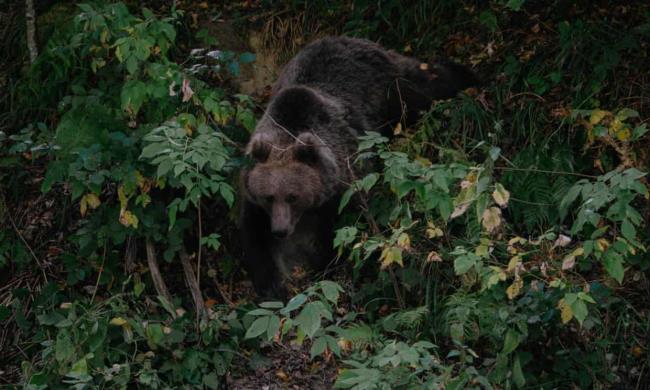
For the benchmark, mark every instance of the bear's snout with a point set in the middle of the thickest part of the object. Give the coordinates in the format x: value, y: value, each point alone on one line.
x: 281, y: 221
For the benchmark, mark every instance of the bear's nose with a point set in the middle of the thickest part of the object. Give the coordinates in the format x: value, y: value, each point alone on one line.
x: 280, y: 233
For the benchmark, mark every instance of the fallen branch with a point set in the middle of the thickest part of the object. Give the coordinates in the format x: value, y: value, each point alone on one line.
x: 154, y: 270
x: 193, y: 284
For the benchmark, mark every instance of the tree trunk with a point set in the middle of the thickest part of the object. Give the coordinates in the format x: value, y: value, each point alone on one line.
x: 30, y: 17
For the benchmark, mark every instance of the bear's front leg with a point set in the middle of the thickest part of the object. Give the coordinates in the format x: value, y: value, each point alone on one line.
x: 255, y: 231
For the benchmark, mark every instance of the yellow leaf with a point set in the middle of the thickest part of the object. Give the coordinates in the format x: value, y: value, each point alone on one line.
x: 513, y: 263
x: 578, y: 251
x: 404, y: 241
x: 597, y: 116
x: 565, y: 311
x: 624, y: 134
x: 615, y: 126
x: 433, y: 231
x: 127, y: 218
x: 344, y: 344
x: 482, y: 251
x: 391, y: 255
x: 89, y: 200
x: 398, y: 129
x: 121, y: 195
x: 602, y: 244
x: 501, y: 195
x: 515, y: 288
x: 119, y: 321
x: 491, y: 219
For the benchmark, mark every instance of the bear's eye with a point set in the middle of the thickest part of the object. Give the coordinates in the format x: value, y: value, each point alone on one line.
x: 268, y: 199
x: 291, y: 198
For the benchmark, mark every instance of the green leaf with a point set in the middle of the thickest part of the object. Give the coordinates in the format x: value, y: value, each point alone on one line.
x: 628, y: 230
x: 294, y: 303
x: 580, y: 311
x: 155, y: 335
x: 517, y: 373
x: 273, y: 327
x: 260, y: 312
x: 489, y: 20
x: 464, y: 263
x: 272, y: 305
x: 511, y: 341
x: 80, y: 367
x: 63, y: 348
x: 227, y: 194
x: 258, y: 327
x: 309, y: 319
x: 613, y: 263
x: 318, y: 347
x: 369, y: 181
x: 345, y: 198
x: 331, y: 290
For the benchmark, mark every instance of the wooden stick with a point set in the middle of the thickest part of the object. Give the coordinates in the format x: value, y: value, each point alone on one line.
x: 158, y: 281
x: 193, y: 284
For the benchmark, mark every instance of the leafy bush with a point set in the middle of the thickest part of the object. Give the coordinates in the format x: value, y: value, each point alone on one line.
x: 499, y: 243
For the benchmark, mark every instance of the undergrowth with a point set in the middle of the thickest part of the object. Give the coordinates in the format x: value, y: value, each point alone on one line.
x: 500, y: 243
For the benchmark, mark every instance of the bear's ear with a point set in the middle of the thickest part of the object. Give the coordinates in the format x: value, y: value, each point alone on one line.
x: 258, y: 150
x: 311, y: 150
x: 305, y: 149
x: 298, y: 109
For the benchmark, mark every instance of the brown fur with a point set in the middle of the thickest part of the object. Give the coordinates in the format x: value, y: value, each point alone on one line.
x: 333, y: 91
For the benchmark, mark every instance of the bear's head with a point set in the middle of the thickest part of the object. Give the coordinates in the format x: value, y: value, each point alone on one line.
x: 287, y: 181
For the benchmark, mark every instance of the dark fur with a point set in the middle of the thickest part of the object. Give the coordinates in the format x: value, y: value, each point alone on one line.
x: 334, y: 90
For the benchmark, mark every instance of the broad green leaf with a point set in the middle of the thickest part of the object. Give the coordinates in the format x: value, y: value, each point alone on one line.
x: 318, y: 346
x: 613, y: 263
x: 258, y: 327
x: 517, y: 373
x: 628, y: 230
x: 309, y: 319
x: 464, y: 263
x: 511, y: 341
x: 273, y: 327
x: 331, y: 290
x: 272, y: 305
x: 294, y: 303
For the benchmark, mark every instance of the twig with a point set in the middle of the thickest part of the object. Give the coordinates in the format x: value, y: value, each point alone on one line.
x: 190, y: 279
x: 376, y: 231
x: 154, y: 270
x: 226, y: 297
x: 198, y: 256
x: 546, y: 171
x: 101, y: 271
x: 29, y: 248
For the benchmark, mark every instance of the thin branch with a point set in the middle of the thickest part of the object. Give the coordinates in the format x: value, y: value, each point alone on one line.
x: 546, y: 171
x: 29, y: 248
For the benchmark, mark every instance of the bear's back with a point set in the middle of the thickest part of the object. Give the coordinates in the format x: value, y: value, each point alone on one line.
x: 357, y: 71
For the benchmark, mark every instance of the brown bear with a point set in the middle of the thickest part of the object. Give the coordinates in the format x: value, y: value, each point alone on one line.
x: 334, y: 90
